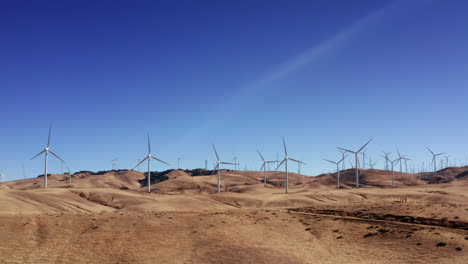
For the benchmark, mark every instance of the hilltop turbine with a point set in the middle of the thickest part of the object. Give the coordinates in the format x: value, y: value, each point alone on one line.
x: 217, y: 167
x: 337, y: 170
x: 406, y: 163
x: 46, y: 163
x: 343, y: 156
x: 178, y: 162
x: 401, y: 158
x: 356, y: 155
x: 434, y: 157
x: 264, y: 166
x: 285, y: 161
x: 387, y: 159
x: 149, y: 157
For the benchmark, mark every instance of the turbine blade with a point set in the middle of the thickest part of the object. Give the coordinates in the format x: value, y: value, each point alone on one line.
x: 215, y: 169
x: 140, y: 162
x: 149, y: 145
x: 51, y: 152
x: 364, y: 145
x: 285, y: 150
x: 38, y: 154
x: 298, y: 161
x: 280, y: 164
x: 263, y: 165
x: 342, y: 159
x: 228, y: 163
x: 50, y: 132
x: 330, y: 161
x: 260, y: 155
x: 430, y: 150
x: 217, y: 157
x: 160, y: 161
x: 346, y: 150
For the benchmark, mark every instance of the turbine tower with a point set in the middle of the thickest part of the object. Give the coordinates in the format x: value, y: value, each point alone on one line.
x: 149, y: 157
x: 217, y: 165
x: 285, y: 161
x: 46, y: 163
x: 356, y: 155
x: 434, y: 157
x: 178, y: 163
x: 364, y: 158
x: 337, y: 170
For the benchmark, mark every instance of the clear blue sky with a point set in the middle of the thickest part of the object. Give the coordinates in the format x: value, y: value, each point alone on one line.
x: 239, y: 74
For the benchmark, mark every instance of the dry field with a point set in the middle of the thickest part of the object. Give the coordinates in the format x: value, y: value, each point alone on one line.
x: 109, y: 218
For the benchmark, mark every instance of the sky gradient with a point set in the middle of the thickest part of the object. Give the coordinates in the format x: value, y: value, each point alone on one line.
x: 237, y: 74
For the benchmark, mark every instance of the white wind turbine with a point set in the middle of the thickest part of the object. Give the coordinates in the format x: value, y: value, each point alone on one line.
x: 371, y: 164
x: 343, y: 156
x: 217, y: 167
x: 401, y: 158
x: 356, y: 155
x: 387, y: 159
x: 285, y: 161
x: 264, y: 167
x: 434, y: 157
x: 46, y: 163
x: 149, y: 157
x: 337, y: 170
x: 393, y: 163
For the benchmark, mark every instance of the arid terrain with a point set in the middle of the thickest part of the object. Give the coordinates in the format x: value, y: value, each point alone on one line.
x: 108, y: 217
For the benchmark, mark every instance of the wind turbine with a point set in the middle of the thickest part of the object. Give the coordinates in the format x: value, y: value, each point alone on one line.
x: 371, y: 164
x: 387, y: 159
x: 285, y: 161
x: 149, y: 157
x: 401, y: 163
x: 178, y: 162
x: 356, y: 155
x: 343, y: 156
x: 393, y: 163
x: 337, y: 170
x: 406, y: 163
x: 46, y: 163
x: 447, y: 160
x: 364, y: 158
x: 264, y: 166
x: 434, y: 157
x: 218, y: 163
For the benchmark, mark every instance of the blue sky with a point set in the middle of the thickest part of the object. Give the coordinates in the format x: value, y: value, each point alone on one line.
x: 239, y: 74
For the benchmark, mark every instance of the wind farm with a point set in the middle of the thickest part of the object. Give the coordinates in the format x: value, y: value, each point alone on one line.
x: 234, y: 132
